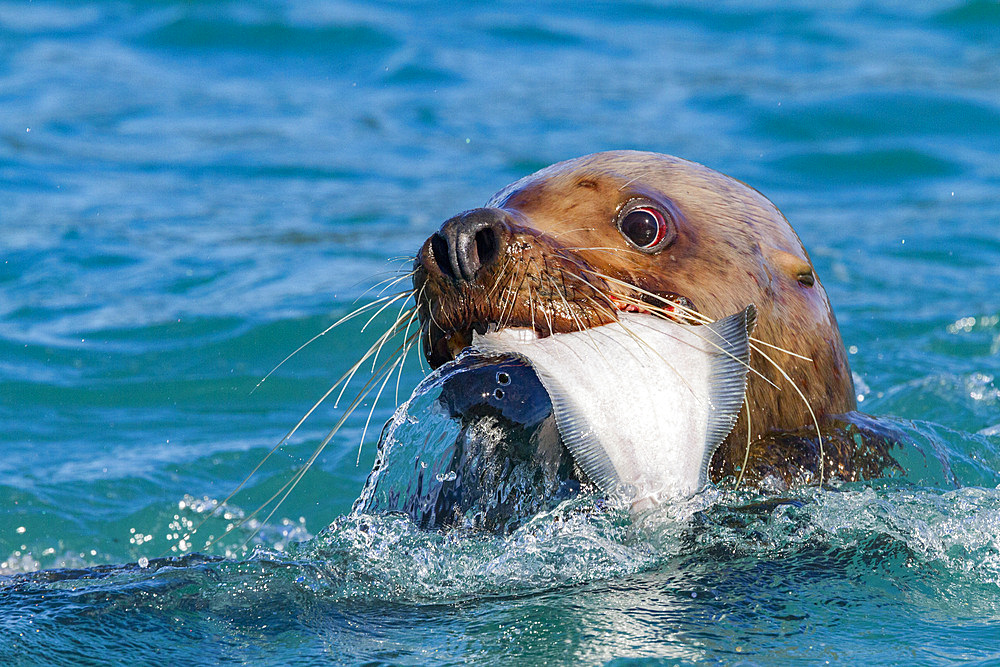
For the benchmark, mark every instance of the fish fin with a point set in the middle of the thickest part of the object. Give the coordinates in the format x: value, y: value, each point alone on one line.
x: 574, y: 428
x: 727, y: 378
x: 579, y: 437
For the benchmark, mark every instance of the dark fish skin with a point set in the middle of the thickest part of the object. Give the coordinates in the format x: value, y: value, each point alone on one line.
x: 498, y: 482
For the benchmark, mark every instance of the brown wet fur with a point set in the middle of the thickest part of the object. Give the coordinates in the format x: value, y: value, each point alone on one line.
x: 732, y: 248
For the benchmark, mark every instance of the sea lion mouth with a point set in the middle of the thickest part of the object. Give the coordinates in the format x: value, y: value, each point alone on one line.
x: 444, y: 344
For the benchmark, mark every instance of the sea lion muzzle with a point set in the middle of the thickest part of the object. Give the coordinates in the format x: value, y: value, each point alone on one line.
x: 467, y: 243
x: 489, y: 268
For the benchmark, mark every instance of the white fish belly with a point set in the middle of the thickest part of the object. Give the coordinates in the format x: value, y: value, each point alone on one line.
x: 637, y: 390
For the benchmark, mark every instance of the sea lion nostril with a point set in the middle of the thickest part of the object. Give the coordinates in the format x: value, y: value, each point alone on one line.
x: 468, y: 242
x: 487, y: 245
x: 439, y: 248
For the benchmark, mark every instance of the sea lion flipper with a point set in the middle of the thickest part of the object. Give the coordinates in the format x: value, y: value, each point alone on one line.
x: 727, y: 377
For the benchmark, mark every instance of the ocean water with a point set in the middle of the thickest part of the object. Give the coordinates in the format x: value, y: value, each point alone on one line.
x: 191, y: 190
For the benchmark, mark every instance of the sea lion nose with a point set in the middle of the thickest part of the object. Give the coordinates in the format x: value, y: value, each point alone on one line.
x: 469, y: 242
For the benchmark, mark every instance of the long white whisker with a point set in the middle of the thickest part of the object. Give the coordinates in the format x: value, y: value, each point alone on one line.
x: 696, y: 315
x: 652, y: 309
x: 377, y: 345
x: 780, y: 349
x: 397, y: 297
x: 399, y: 318
x: 291, y: 484
x: 609, y: 249
x: 392, y: 280
x: 572, y: 231
x: 507, y: 262
x: 354, y: 313
x: 378, y: 395
x: 579, y: 324
x: 819, y: 435
x: 396, y: 282
x: 406, y: 351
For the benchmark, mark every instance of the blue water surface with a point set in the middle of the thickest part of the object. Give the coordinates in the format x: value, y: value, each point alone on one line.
x: 191, y: 190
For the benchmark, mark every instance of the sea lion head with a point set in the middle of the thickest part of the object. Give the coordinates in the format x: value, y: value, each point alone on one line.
x: 572, y: 245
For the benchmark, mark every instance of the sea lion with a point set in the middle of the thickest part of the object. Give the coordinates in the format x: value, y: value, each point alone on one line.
x: 574, y: 244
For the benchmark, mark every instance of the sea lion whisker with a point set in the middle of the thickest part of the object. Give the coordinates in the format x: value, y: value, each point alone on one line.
x: 399, y: 374
x: 665, y: 314
x: 548, y: 315
x: 653, y: 309
x: 406, y: 351
x: 400, y: 258
x: 696, y: 314
x: 603, y: 308
x: 780, y: 349
x: 396, y: 281
x: 628, y: 183
x: 375, y: 350
x: 571, y: 231
x: 642, y: 342
x: 692, y: 313
x: 636, y: 337
x: 516, y: 291
x: 377, y: 345
x: 819, y: 435
x: 498, y: 280
x: 270, y: 452
x: 507, y: 262
x: 430, y: 313
x: 393, y: 279
x: 562, y: 296
x: 605, y: 248
x: 399, y: 318
x: 531, y: 307
x: 293, y: 482
x: 402, y: 295
x: 354, y: 313
x: 378, y: 395
x: 513, y: 299
x: 572, y: 312
x: 504, y: 297
x: 644, y: 292
x: 607, y: 308
x: 508, y: 300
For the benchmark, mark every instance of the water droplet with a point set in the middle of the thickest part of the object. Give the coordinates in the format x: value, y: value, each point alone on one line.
x: 143, y: 562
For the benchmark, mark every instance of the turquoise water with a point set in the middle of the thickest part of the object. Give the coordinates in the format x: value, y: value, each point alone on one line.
x: 189, y: 191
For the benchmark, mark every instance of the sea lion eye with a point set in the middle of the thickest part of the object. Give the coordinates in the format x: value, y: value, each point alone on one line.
x: 646, y: 227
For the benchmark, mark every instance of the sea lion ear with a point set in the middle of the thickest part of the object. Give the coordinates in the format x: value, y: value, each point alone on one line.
x: 792, y: 266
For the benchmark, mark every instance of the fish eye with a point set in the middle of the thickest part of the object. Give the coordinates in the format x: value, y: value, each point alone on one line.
x: 645, y: 226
